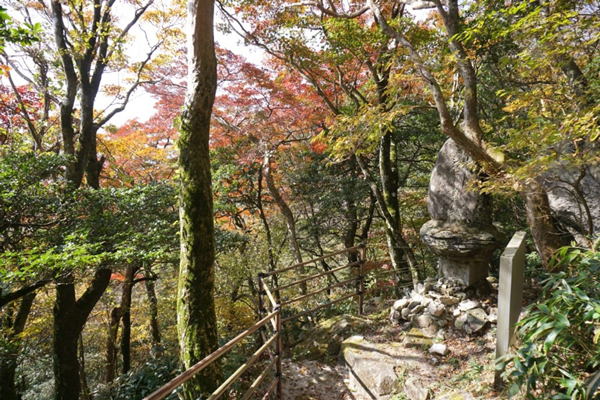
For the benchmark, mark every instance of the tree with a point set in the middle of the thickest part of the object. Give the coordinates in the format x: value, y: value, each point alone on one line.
x: 196, y: 319
x: 354, y: 71
x: 457, y: 100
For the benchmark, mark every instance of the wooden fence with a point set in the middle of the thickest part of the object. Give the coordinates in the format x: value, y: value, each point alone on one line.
x: 274, y: 318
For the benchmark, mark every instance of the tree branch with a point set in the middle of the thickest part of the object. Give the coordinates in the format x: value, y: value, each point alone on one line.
x: 330, y: 11
x: 17, y: 294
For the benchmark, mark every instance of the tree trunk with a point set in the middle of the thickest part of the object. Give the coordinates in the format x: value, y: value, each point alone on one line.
x: 397, y: 245
x: 85, y: 389
x: 265, y: 221
x: 110, y: 368
x: 126, y: 318
x: 196, y: 318
x: 153, y: 309
x: 10, y: 344
x: 288, y: 216
x: 544, y: 230
x: 70, y: 315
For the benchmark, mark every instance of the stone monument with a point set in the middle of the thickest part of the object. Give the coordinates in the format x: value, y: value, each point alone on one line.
x: 460, y: 232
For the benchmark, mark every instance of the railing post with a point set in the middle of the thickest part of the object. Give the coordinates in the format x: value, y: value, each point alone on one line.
x: 261, y: 305
x: 279, y: 352
x: 361, y: 277
x: 261, y: 291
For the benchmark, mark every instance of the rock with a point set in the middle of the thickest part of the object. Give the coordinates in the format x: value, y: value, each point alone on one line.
x: 417, y: 309
x: 450, y: 198
x: 394, y: 315
x: 439, y: 349
x: 369, y: 366
x: 449, y: 300
x: 493, y: 315
x: 423, y: 321
x: 436, y: 309
x: 414, y: 303
x: 467, y: 305
x: 400, y: 304
x: 459, y: 395
x: 566, y: 203
x: 460, y: 322
x: 405, y: 313
x: 426, y: 301
x: 325, y: 339
x: 476, y: 319
x: 414, y: 389
x: 456, y: 312
x: 461, y: 295
x: 416, y: 338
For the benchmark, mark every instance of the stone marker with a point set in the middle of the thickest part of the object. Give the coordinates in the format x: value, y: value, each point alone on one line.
x: 510, y: 295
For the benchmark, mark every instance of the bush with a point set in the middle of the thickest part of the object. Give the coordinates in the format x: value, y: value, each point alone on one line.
x: 560, y: 335
x: 138, y: 384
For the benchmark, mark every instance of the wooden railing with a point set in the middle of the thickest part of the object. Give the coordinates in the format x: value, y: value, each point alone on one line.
x: 359, y: 290
x: 274, y: 318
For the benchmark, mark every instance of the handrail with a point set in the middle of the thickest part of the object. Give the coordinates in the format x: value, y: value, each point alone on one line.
x: 273, y: 384
x: 308, y: 278
x: 259, y: 380
x: 206, y: 361
x: 225, y: 385
x: 269, y: 295
x: 337, y: 253
x: 341, y: 283
x: 319, y: 307
x: 277, y: 325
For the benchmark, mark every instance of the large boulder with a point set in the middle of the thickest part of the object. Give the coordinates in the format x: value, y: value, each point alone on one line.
x: 572, y: 193
x: 451, y: 196
x: 325, y: 339
x: 372, y: 371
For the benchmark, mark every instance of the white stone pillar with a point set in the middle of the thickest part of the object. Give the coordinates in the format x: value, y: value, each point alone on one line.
x: 510, y: 294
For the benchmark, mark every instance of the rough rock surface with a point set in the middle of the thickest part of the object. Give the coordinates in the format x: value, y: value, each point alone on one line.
x: 567, y: 204
x: 460, y: 395
x: 461, y: 231
x: 326, y: 338
x: 371, y: 370
x: 414, y: 390
x: 375, y: 368
x: 450, y: 198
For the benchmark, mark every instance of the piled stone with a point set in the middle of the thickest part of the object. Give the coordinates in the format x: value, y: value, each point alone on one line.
x: 439, y: 306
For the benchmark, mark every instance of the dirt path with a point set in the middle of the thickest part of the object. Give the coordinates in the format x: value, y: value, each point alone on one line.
x: 313, y: 380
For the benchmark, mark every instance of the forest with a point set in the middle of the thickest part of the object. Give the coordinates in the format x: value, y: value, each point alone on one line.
x: 146, y: 183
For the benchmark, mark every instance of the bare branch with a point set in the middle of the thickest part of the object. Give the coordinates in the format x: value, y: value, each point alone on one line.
x: 133, y: 87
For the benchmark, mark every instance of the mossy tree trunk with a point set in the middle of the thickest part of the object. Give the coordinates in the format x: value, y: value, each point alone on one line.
x: 196, y: 319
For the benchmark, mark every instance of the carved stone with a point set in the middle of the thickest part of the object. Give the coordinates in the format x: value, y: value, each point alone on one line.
x: 461, y: 231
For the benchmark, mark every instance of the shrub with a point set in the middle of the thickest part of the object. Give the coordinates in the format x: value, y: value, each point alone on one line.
x: 560, y: 350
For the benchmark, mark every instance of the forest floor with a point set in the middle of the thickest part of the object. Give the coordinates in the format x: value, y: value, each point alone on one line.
x: 467, y: 369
